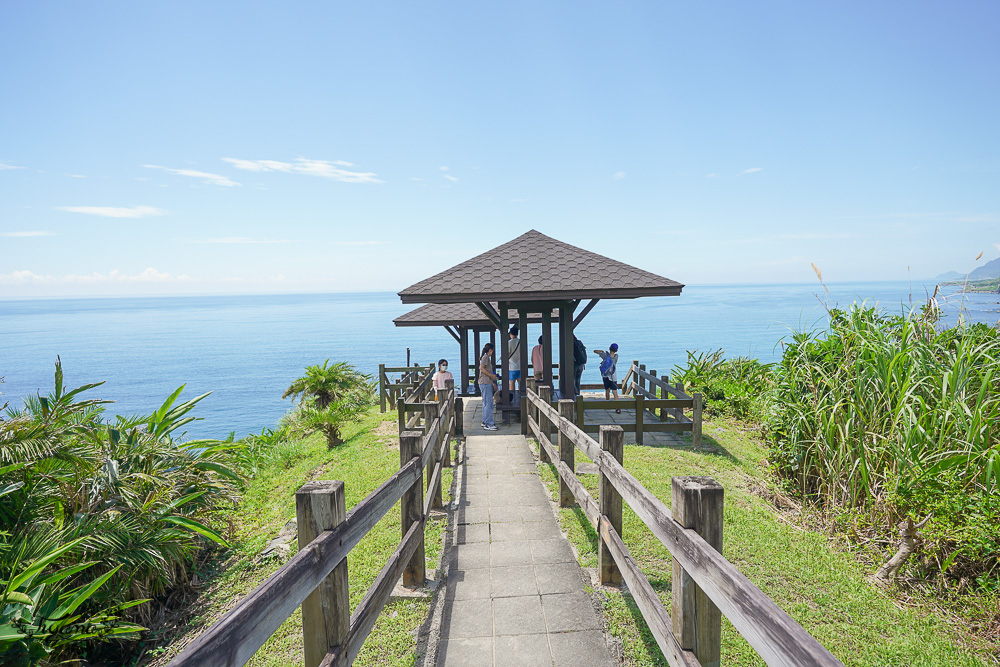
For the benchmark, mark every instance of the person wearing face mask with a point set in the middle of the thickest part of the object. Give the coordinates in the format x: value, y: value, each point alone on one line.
x: 441, y: 377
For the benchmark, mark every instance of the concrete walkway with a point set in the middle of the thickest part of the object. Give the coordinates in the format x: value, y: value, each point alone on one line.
x: 515, y: 593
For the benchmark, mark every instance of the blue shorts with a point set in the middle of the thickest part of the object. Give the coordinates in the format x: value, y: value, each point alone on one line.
x: 513, y: 375
x: 610, y: 384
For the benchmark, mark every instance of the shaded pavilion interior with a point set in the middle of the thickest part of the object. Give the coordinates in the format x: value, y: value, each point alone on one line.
x: 459, y: 320
x: 533, y: 278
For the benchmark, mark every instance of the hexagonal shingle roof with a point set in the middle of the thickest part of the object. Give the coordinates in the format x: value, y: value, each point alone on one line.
x: 536, y: 267
x: 457, y: 314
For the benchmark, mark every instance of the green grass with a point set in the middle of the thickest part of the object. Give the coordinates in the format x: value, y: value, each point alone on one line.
x: 367, y: 458
x: 823, y: 589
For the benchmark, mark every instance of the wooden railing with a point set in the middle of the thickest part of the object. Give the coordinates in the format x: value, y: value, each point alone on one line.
x: 390, y: 389
x: 705, y: 585
x: 316, y: 577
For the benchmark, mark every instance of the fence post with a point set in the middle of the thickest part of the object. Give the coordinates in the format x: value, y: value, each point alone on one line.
x: 635, y: 376
x: 412, y: 510
x: 642, y: 380
x: 657, y: 393
x: 696, y: 502
x: 544, y: 393
x: 579, y: 412
x: 696, y: 419
x: 640, y: 416
x: 383, y: 388
x: 326, y: 613
x: 610, y: 501
x: 407, y: 356
x: 459, y: 416
x: 431, y: 413
x: 566, y: 452
x: 445, y: 402
x: 524, y: 414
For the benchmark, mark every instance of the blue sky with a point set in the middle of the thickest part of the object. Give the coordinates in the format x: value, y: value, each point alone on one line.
x: 164, y: 148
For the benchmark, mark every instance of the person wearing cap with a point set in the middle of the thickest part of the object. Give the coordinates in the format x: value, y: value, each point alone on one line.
x: 609, y: 371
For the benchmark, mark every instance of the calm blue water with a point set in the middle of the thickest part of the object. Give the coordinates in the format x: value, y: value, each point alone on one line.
x: 247, y: 349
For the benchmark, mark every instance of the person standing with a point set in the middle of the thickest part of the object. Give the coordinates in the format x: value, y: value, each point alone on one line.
x: 579, y: 361
x: 514, y: 361
x: 441, y: 378
x: 487, y: 383
x: 609, y: 371
x: 538, y: 362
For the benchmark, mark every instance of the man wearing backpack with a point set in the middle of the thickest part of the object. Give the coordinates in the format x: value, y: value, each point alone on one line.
x: 609, y: 371
x: 579, y: 361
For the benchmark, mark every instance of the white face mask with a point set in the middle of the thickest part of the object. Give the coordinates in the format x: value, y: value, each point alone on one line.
x: 443, y: 367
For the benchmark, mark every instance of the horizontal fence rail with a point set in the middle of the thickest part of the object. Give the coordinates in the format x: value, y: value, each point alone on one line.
x: 316, y: 577
x: 706, y: 585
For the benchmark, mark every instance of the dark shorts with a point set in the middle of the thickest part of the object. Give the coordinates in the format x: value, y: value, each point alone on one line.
x: 610, y: 384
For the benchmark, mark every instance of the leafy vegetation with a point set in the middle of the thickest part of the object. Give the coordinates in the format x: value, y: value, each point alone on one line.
x: 879, y: 420
x: 331, y: 396
x: 99, y: 517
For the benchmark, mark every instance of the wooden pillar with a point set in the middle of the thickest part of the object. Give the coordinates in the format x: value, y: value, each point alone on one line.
x: 696, y: 502
x: 640, y: 417
x: 445, y: 401
x: 610, y: 501
x: 479, y: 353
x: 566, y: 453
x: 523, y: 350
x: 431, y: 413
x: 504, y: 355
x: 642, y: 380
x: 659, y: 414
x: 566, y: 375
x: 326, y: 613
x: 544, y: 393
x: 696, y: 415
x: 383, y: 387
x: 463, y: 346
x: 412, y: 510
x: 547, y: 346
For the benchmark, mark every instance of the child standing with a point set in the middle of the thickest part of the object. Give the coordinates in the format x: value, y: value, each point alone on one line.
x: 441, y: 377
x: 609, y: 371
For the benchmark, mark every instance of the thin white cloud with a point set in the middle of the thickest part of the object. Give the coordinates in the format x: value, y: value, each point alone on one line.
x: 618, y: 175
x: 414, y: 178
x: 812, y: 236
x: 240, y: 240
x: 443, y: 168
x: 332, y: 169
x: 206, y: 177
x: 150, y: 275
x: 26, y: 234
x: 997, y: 246
x: 114, y: 211
x: 4, y: 166
x: 450, y: 178
x: 358, y: 243
x: 76, y: 175
x: 711, y: 175
x: 752, y: 170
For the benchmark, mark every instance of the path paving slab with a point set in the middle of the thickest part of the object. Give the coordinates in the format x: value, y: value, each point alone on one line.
x: 515, y: 592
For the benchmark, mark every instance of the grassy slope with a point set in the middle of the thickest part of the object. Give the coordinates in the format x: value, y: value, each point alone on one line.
x: 366, y: 460
x: 821, y: 588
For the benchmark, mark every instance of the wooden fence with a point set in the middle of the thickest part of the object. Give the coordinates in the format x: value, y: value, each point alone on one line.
x: 390, y: 389
x: 705, y: 585
x: 316, y: 577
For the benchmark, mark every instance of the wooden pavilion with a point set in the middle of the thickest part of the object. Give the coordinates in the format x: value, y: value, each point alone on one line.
x: 459, y: 320
x: 535, y: 275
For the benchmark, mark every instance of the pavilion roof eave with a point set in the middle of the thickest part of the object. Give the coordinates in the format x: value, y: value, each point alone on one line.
x: 512, y: 297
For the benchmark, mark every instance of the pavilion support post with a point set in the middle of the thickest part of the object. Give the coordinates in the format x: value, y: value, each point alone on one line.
x: 504, y: 355
x: 479, y: 354
x: 463, y: 346
x: 547, y: 346
x: 567, y: 387
x: 522, y: 326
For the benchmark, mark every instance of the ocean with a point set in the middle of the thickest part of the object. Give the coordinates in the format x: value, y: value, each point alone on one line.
x: 247, y: 349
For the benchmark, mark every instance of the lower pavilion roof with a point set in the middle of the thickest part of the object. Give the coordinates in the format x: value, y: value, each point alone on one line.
x: 458, y: 315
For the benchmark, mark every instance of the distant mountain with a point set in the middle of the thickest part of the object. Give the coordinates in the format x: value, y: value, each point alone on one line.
x: 987, y: 271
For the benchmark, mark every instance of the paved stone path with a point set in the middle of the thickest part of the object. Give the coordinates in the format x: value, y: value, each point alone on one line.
x: 515, y: 593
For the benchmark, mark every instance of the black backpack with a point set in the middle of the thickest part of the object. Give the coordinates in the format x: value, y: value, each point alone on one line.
x: 579, y: 352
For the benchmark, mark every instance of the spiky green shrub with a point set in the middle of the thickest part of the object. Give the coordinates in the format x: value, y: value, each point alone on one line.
x: 740, y: 387
x: 127, y: 497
